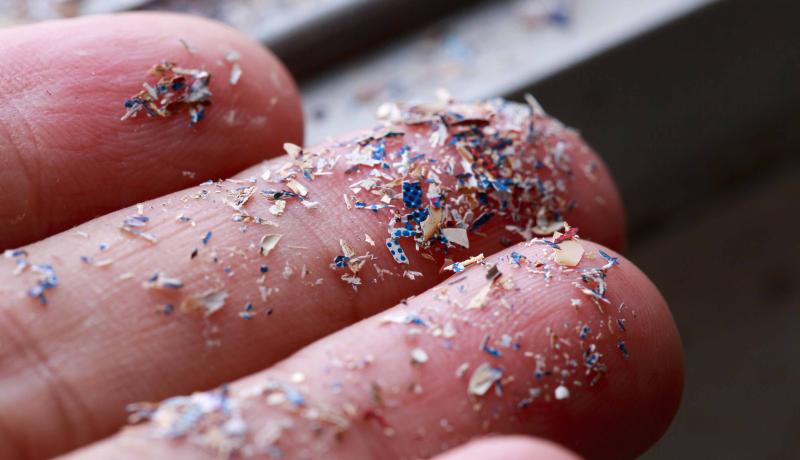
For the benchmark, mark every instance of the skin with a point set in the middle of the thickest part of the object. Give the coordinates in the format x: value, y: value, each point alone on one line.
x: 511, y: 448
x: 57, y: 85
x: 100, y: 344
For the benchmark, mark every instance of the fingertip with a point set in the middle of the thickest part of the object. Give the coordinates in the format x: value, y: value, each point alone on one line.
x: 643, y: 392
x: 64, y: 84
x: 509, y: 448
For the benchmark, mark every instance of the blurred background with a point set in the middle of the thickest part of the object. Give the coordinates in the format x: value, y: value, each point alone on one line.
x: 694, y: 104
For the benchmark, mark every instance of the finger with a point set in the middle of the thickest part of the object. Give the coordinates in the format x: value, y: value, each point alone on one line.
x: 434, y: 373
x: 509, y: 448
x: 103, y: 308
x: 65, y: 156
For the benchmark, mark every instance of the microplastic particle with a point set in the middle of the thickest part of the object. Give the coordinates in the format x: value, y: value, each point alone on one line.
x: 418, y: 356
x: 483, y: 377
x: 268, y: 243
x: 208, y: 302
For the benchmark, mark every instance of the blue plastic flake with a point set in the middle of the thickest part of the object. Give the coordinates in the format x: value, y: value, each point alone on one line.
x: 15, y: 253
x: 137, y: 220
x: 196, y: 114
x: 621, y: 324
x: 571, y: 205
x: 371, y: 207
x: 591, y: 356
x: 248, y: 312
x: 263, y: 269
x: 397, y: 252
x: 480, y: 220
x: 48, y: 280
x: 492, y: 351
x: 38, y: 293
x: 103, y: 246
x: 163, y: 282
x: 413, y: 318
x: 417, y: 215
x: 206, y: 238
x: 294, y: 397
x: 584, y: 332
x: 517, y: 258
x: 548, y: 243
x: 341, y: 261
x: 611, y: 260
x: 401, y: 232
x: 379, y: 152
x: 623, y: 348
x: 412, y: 194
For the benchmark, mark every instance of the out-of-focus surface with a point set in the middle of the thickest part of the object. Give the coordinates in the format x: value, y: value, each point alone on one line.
x: 496, y: 48
x: 732, y: 280
x: 250, y: 16
x: 694, y: 104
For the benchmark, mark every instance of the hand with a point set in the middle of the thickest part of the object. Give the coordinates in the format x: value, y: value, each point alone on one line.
x: 198, y: 293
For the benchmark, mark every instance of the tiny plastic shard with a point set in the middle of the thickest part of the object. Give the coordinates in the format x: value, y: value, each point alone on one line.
x: 268, y: 243
x: 232, y: 56
x: 481, y: 298
x: 208, y: 302
x: 294, y: 151
x: 161, y: 281
x: 297, y: 187
x: 569, y: 253
x: 561, y: 392
x: 457, y: 236
x: 418, y: 356
x: 133, y: 223
x: 236, y: 74
x: 461, y: 370
x: 460, y: 266
x: 483, y: 378
x: 535, y: 106
x: 397, y: 252
x: 187, y: 46
x: 278, y: 208
x: 431, y: 223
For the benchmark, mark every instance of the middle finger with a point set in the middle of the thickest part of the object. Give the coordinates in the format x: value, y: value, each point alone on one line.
x: 108, y: 302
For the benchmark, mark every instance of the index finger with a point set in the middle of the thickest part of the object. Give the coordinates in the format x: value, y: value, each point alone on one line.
x: 66, y: 157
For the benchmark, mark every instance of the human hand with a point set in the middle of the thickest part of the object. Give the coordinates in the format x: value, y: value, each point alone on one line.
x: 500, y: 350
